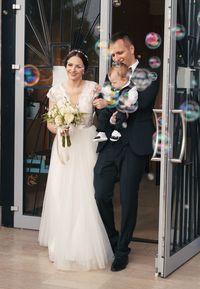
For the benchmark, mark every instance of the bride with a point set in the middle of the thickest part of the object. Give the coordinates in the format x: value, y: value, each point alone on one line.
x: 71, y: 226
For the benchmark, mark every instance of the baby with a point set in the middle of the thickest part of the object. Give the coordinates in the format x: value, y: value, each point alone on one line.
x: 121, y: 97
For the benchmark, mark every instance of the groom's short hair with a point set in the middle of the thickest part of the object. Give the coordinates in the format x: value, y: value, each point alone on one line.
x: 122, y: 35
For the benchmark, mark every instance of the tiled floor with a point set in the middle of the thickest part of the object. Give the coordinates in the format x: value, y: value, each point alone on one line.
x: 25, y: 265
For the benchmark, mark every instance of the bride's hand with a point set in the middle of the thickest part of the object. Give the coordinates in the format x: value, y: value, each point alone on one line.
x: 64, y: 131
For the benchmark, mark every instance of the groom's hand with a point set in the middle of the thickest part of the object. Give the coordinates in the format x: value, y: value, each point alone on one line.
x: 100, y: 103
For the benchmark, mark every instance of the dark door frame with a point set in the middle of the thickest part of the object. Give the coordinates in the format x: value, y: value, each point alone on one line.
x: 7, y: 112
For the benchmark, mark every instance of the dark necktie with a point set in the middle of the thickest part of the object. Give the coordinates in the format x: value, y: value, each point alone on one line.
x: 130, y: 72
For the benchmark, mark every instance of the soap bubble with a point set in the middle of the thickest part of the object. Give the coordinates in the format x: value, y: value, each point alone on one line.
x: 191, y: 110
x: 153, y: 40
x: 31, y: 75
x: 154, y: 62
x: 142, y: 78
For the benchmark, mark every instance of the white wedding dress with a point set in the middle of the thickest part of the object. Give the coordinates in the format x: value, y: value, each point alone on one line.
x: 71, y: 226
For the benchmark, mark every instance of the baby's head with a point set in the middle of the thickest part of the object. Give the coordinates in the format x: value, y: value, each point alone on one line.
x: 118, y: 75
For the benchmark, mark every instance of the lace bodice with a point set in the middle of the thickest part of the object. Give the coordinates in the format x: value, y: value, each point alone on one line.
x: 57, y: 94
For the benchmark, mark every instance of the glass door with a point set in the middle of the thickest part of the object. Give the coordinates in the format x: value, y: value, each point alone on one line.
x: 178, y: 141
x: 45, y: 31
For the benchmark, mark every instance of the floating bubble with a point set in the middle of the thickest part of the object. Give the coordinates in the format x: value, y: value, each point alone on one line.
x: 191, y: 110
x: 125, y: 103
x: 117, y: 3
x: 154, y: 62
x: 187, y: 207
x: 31, y: 75
x: 97, y: 30
x: 198, y: 18
x: 180, y: 31
x: 150, y: 176
x: 141, y: 78
x: 103, y: 45
x: 5, y: 12
x: 153, y: 40
x: 99, y: 45
x: 161, y: 143
x: 194, y: 83
x: 110, y: 95
x: 124, y: 124
x: 106, y: 53
x: 153, y: 75
x: 160, y: 121
x: 198, y: 62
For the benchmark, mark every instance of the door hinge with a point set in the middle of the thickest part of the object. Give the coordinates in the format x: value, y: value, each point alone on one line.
x: 15, y: 66
x: 156, y: 266
x: 14, y: 208
x: 16, y: 7
x: 159, y: 266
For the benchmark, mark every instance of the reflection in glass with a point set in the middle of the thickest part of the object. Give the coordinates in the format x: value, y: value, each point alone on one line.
x: 185, y: 214
x: 52, y: 28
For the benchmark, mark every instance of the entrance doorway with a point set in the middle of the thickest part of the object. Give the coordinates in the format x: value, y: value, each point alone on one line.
x: 139, y: 18
x: 40, y: 42
x: 177, y: 118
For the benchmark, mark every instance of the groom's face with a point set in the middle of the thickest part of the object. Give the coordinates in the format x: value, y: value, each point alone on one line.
x: 122, y: 51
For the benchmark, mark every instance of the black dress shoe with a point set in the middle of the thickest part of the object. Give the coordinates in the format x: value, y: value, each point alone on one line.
x: 119, y: 263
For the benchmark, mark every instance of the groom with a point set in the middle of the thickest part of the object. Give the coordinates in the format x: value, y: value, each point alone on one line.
x: 124, y: 159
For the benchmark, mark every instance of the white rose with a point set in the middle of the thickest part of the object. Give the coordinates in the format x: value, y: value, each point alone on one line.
x: 58, y: 120
x: 69, y: 117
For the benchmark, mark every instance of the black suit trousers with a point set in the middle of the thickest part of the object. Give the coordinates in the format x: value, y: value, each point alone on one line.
x: 104, y: 116
x: 117, y: 160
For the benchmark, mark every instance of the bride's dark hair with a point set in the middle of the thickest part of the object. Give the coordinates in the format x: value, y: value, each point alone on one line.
x: 78, y: 53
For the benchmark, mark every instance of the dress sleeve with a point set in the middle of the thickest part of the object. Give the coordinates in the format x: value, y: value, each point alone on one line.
x: 52, y: 94
x: 93, y: 93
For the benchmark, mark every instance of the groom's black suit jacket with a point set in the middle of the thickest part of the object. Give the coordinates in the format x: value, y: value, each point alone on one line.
x: 140, y: 129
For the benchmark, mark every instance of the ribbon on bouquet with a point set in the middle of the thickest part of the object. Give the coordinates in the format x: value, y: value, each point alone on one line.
x: 62, y: 147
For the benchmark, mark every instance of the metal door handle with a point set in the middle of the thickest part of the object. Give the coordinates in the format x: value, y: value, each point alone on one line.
x: 154, y: 158
x: 183, y: 145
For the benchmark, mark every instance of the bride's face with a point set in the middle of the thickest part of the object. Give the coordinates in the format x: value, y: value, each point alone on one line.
x: 75, y: 68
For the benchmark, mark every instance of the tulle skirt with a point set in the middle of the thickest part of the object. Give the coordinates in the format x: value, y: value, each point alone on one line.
x: 71, y: 226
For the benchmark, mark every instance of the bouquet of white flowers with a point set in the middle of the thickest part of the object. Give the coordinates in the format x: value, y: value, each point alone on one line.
x: 63, y: 115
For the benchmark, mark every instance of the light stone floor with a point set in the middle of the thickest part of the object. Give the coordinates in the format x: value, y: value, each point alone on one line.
x: 25, y: 265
